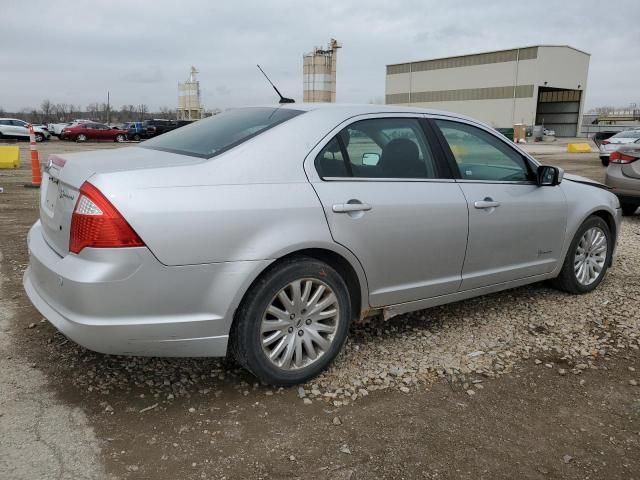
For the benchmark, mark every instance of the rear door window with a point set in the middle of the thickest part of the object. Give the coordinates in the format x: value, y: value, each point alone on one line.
x: 379, y: 148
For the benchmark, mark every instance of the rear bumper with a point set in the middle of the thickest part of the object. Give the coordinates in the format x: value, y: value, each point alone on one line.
x: 123, y: 301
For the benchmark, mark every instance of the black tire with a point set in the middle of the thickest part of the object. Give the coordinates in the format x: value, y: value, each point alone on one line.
x: 567, y: 280
x: 136, y: 137
x: 605, y: 161
x: 119, y: 138
x: 245, y: 337
x: 629, y: 209
x: 39, y: 137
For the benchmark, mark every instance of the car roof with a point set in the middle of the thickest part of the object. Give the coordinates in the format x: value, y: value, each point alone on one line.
x: 363, y: 109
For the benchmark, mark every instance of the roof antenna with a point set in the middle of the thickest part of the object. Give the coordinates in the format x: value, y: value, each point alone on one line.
x: 282, y: 99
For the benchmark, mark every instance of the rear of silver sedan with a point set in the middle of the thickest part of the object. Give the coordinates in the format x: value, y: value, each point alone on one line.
x: 122, y: 300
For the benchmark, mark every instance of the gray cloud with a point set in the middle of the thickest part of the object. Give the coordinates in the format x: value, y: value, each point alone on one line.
x: 140, y: 50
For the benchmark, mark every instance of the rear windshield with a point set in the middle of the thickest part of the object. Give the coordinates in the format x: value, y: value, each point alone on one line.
x: 628, y: 134
x: 212, y: 136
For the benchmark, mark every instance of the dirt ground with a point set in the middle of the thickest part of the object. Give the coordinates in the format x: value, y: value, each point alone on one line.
x: 530, y: 423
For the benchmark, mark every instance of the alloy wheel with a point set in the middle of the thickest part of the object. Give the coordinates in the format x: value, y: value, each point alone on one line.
x: 590, y: 256
x: 300, y: 324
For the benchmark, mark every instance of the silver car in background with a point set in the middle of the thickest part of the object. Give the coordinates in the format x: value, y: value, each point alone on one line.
x: 613, y: 143
x: 266, y: 231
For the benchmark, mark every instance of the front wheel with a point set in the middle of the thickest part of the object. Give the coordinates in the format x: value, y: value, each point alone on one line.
x: 136, y: 137
x: 588, y: 258
x: 120, y: 138
x: 293, y: 322
x: 39, y: 137
x: 81, y: 138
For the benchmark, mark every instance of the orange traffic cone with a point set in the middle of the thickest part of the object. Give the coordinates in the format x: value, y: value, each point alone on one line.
x: 36, y: 174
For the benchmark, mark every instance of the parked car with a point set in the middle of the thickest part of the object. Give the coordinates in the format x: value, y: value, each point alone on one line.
x: 158, y: 127
x: 81, y: 132
x: 598, y: 137
x: 18, y: 129
x: 623, y: 176
x: 266, y: 231
x: 135, y: 130
x: 57, y: 128
x: 614, y: 142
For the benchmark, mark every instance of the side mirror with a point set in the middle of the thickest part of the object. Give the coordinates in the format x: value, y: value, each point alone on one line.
x: 548, y: 176
x: 370, y: 159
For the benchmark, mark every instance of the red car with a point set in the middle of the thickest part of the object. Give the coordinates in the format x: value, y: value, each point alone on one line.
x: 81, y: 132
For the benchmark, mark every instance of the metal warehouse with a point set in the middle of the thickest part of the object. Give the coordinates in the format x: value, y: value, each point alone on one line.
x: 539, y: 85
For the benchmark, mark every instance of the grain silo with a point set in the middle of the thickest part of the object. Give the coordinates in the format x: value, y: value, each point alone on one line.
x: 319, y: 73
x: 189, y: 105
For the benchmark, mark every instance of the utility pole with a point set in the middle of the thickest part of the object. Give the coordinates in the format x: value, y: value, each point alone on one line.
x: 108, y: 107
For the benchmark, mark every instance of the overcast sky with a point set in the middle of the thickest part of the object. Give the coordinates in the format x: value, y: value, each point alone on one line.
x: 74, y: 51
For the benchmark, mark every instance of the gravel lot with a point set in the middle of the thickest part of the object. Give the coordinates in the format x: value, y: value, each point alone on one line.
x: 441, y: 393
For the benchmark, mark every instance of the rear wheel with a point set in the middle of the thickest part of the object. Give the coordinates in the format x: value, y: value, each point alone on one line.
x: 588, y: 258
x: 293, y: 322
x: 629, y: 208
x: 81, y: 138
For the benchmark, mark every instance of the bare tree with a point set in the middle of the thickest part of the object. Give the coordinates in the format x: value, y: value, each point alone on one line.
x: 47, y: 109
x: 142, y: 109
x: 2, y: 112
x: 167, y: 112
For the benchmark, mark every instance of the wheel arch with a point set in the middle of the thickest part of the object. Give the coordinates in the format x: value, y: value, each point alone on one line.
x: 609, y: 220
x: 344, y: 263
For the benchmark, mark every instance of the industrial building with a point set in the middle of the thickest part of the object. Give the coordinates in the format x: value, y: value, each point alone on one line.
x: 189, y: 104
x: 319, y: 73
x: 538, y: 85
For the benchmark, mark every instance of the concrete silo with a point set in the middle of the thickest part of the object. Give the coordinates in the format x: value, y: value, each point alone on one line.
x: 319, y: 73
x: 189, y: 105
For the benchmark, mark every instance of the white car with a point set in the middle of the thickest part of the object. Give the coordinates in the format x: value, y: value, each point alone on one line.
x: 57, y: 128
x: 612, y: 144
x: 15, y: 128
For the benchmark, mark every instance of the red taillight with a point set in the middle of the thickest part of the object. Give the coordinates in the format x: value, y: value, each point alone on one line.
x: 605, y: 142
x: 618, y: 157
x: 96, y: 223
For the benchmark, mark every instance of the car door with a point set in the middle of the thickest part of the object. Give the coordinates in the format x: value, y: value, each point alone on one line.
x: 516, y: 228
x: 19, y: 128
x: 389, y: 198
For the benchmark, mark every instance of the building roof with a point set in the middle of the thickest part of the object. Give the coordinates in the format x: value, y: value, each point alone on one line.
x: 490, y: 51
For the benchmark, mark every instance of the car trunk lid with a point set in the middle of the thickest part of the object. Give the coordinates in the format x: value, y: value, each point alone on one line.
x: 64, y: 175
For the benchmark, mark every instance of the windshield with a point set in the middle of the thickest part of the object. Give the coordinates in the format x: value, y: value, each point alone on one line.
x: 212, y: 136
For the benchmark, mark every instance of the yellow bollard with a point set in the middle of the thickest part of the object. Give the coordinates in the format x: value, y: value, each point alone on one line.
x: 578, y: 148
x: 9, y: 156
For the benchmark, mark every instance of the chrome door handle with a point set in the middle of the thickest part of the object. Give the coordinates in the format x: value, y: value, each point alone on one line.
x: 351, y: 207
x: 486, y: 203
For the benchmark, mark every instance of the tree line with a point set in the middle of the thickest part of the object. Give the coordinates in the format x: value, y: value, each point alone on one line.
x: 50, y: 112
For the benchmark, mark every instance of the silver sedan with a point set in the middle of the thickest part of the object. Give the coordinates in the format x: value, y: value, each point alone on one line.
x: 266, y: 231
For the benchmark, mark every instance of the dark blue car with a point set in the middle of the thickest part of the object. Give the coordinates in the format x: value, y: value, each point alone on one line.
x: 135, y: 130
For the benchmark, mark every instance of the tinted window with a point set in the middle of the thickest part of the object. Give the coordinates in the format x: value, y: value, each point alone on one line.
x: 211, y: 136
x: 19, y: 123
x: 481, y: 156
x: 379, y: 148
